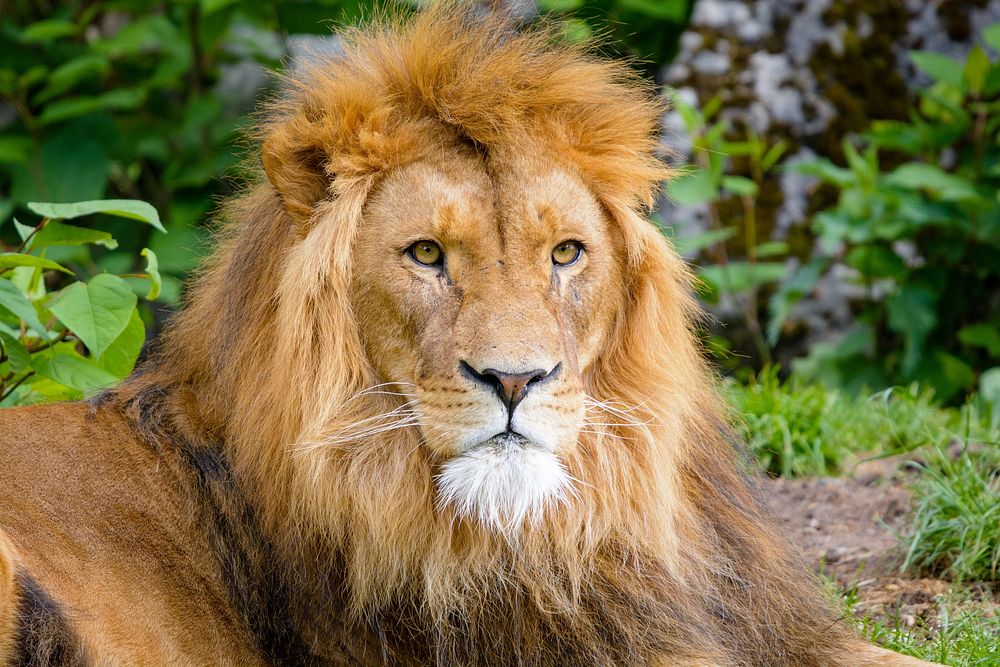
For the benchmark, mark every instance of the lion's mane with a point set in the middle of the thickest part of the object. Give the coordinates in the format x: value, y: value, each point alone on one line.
x: 663, y: 550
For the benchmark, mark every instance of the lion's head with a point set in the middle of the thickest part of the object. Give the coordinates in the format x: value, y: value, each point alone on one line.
x: 442, y: 346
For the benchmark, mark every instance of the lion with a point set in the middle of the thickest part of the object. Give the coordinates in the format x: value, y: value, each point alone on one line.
x: 435, y: 399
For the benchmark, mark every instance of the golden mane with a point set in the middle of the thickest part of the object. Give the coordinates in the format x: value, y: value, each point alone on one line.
x: 266, y: 360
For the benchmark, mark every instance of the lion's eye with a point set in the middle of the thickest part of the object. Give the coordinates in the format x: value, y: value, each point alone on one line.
x: 566, y: 253
x: 427, y: 253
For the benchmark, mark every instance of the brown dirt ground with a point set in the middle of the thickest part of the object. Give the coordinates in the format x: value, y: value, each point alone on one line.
x: 847, y: 528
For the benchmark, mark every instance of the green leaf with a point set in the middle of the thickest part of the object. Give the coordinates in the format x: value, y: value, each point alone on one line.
x: 152, y: 269
x: 738, y: 277
x: 690, y: 245
x: 97, y: 311
x: 738, y: 185
x: 56, y: 233
x: 789, y: 293
x: 939, y: 67
x: 989, y: 389
x: 69, y: 74
x: 559, y: 5
x: 9, y: 260
x: 46, y: 30
x: 15, y: 149
x: 675, y: 11
x: 133, y: 209
x: 991, y: 35
x: 922, y: 176
x: 73, y: 371
x: 14, y: 301
x: 826, y: 171
x: 912, y: 313
x: 876, y: 261
x: 15, y: 352
x: 696, y: 187
x: 70, y: 165
x: 981, y: 335
x: 771, y: 249
x: 120, y: 357
x: 122, y: 99
x: 977, y: 67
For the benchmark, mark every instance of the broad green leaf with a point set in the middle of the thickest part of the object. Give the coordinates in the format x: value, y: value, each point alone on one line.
x: 9, y: 260
x: 74, y: 107
x: 948, y: 374
x: 826, y: 171
x: 738, y: 185
x: 152, y: 269
x: 922, y: 176
x: 73, y: 371
x: 693, y: 188
x: 876, y: 261
x: 989, y: 389
x: 690, y: 245
x: 912, y: 313
x: 675, y: 11
x: 939, y: 67
x: 559, y: 5
x: 120, y: 357
x: 46, y: 30
x: 991, y: 35
x: 981, y: 335
x: 771, y: 249
x: 977, y: 67
x: 738, y: 277
x: 15, y: 302
x: 15, y: 149
x: 15, y: 352
x: 133, y: 209
x: 96, y: 311
x: 71, y: 164
x: 56, y: 233
x: 69, y: 74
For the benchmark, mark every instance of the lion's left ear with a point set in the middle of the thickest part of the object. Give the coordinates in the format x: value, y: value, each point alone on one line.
x: 297, y: 167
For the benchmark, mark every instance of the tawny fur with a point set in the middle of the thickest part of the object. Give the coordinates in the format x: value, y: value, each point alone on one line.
x: 661, y: 556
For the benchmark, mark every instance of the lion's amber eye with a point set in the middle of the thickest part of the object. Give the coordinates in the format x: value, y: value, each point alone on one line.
x: 566, y: 253
x: 427, y: 253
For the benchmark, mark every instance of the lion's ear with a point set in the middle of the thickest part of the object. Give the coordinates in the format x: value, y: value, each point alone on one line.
x: 297, y: 171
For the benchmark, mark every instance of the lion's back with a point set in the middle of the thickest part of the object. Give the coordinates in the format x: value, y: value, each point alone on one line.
x: 102, y: 546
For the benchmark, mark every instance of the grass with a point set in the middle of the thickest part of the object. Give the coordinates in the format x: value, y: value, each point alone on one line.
x: 955, y: 529
x: 797, y: 428
x: 962, y: 635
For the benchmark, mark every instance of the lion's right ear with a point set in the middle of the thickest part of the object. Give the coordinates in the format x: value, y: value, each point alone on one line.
x: 297, y: 168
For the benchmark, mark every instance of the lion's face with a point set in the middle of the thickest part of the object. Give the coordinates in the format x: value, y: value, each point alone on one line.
x: 486, y: 298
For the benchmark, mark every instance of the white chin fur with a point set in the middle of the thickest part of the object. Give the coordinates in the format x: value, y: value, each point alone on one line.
x: 503, y: 485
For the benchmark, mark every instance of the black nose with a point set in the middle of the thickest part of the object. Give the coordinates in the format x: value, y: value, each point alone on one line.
x: 510, y: 387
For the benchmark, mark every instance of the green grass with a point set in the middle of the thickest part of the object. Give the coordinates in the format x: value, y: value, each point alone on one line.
x: 964, y: 635
x: 797, y: 428
x: 955, y: 529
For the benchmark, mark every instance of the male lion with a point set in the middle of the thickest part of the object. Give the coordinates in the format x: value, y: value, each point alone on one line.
x: 435, y: 400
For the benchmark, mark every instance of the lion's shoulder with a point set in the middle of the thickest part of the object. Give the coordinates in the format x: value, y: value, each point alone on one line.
x: 102, y: 540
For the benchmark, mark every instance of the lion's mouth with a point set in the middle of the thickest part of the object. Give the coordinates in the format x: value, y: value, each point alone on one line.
x: 504, y: 481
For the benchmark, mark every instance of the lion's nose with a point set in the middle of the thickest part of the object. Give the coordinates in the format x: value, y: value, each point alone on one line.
x: 510, y: 387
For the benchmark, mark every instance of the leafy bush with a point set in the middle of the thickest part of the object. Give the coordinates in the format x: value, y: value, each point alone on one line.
x: 87, y: 334
x: 140, y: 99
x: 922, y: 235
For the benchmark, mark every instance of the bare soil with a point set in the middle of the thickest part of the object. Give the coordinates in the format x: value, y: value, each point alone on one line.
x: 848, y: 528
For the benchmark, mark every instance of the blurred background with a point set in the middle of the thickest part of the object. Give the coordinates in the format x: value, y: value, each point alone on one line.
x: 838, y: 161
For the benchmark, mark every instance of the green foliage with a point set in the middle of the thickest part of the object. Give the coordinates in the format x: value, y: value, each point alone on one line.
x: 923, y: 236
x: 646, y: 31
x: 139, y: 99
x: 955, y: 530
x: 68, y: 339
x: 798, y: 428
x: 711, y: 182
